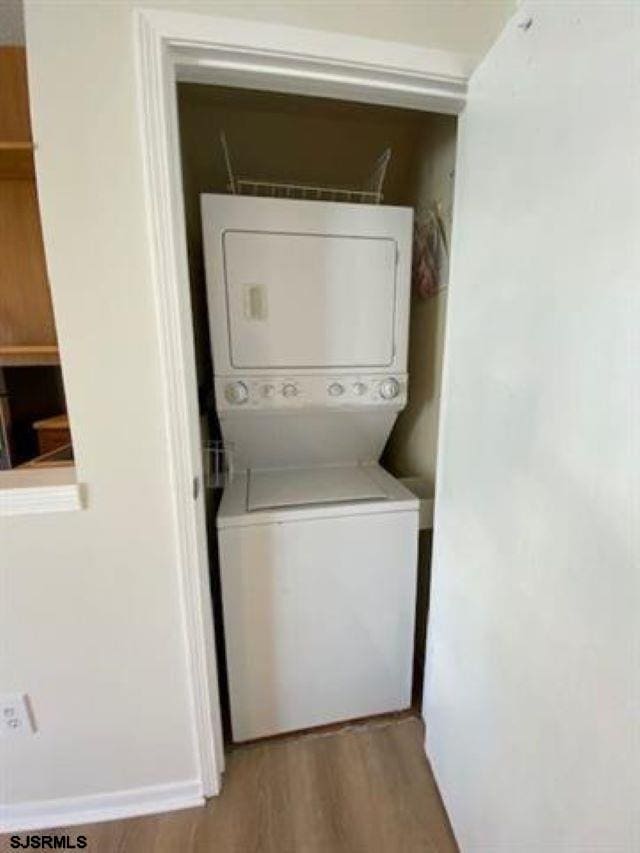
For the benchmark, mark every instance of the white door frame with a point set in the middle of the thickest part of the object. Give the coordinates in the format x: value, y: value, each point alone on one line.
x: 173, y: 45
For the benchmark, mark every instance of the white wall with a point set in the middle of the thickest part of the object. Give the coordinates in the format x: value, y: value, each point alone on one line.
x: 533, y: 671
x: 91, y: 623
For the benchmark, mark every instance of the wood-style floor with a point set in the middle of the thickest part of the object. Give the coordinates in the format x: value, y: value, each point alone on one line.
x: 362, y: 789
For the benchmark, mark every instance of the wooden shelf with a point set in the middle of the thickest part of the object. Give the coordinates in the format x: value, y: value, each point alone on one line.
x: 27, y: 325
x: 29, y: 355
x: 60, y: 457
x: 26, y: 314
x: 15, y: 124
x: 16, y: 161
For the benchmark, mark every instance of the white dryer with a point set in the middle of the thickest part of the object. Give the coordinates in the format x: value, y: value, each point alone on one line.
x: 309, y: 307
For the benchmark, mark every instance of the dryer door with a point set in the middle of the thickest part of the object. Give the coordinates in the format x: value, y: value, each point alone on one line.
x: 309, y: 300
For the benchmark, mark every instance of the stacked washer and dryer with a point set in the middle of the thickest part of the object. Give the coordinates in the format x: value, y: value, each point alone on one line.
x: 309, y: 315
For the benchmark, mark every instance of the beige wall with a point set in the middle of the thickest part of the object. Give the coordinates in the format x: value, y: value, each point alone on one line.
x: 11, y: 22
x: 90, y: 608
x: 91, y: 617
x: 465, y: 26
x: 412, y: 449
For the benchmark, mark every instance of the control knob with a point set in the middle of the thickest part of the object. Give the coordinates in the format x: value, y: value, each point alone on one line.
x: 289, y: 390
x: 336, y: 389
x: 359, y: 388
x: 236, y: 393
x: 268, y: 391
x: 389, y: 388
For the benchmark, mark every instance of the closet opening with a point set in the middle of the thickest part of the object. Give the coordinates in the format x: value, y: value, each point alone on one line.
x: 261, y: 144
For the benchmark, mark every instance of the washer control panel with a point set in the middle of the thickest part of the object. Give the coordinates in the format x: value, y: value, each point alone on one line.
x: 334, y: 392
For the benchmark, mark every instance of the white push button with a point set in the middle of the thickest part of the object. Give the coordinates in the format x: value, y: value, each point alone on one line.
x: 268, y: 390
x: 236, y: 393
x: 389, y: 388
x: 359, y: 388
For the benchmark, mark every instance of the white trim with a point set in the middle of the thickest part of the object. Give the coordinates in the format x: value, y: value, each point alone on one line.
x: 95, y: 808
x: 258, y: 55
x: 251, y: 55
x: 158, y: 114
x: 30, y: 501
x: 29, y: 491
x: 242, y: 37
x: 436, y: 775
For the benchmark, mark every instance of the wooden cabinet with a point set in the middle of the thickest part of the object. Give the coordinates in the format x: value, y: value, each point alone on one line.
x: 52, y: 433
x: 31, y: 388
x: 27, y: 328
x: 15, y: 123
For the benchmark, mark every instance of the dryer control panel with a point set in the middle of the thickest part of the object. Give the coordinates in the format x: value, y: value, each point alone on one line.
x: 349, y: 392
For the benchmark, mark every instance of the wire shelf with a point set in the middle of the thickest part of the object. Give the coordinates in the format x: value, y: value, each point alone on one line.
x: 371, y: 193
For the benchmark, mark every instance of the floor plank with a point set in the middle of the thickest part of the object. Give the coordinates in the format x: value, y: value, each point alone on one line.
x: 363, y: 789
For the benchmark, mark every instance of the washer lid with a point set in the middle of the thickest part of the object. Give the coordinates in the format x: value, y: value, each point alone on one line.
x: 306, y: 486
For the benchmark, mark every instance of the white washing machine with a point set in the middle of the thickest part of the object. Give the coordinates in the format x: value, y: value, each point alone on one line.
x: 309, y: 307
x: 318, y: 582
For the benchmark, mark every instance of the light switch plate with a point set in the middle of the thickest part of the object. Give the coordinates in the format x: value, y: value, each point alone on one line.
x: 15, y: 715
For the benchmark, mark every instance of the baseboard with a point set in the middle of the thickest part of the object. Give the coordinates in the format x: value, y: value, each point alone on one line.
x: 436, y: 778
x: 95, y: 808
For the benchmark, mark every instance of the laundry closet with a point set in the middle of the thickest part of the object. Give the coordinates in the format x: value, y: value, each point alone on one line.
x: 318, y: 234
